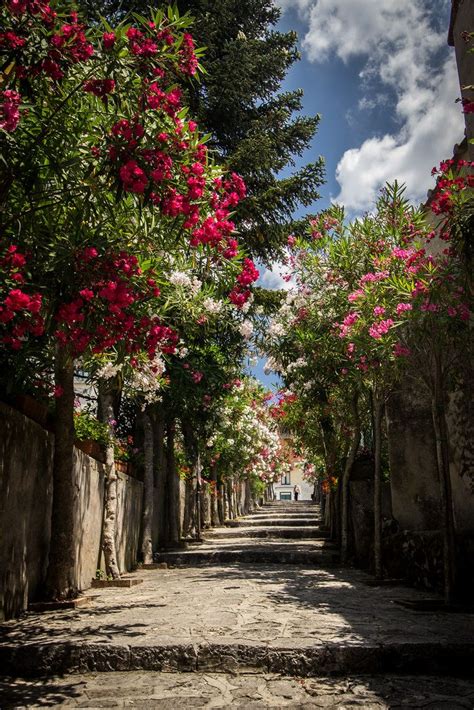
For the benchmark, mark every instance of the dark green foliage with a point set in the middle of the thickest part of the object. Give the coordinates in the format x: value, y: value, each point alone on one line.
x: 257, y: 129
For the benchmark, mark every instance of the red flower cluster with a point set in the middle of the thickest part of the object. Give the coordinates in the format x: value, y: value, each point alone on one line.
x: 9, y: 110
x: 240, y: 294
x: 67, y: 43
x: 187, y: 57
x: 70, y: 43
x: 153, y: 171
x: 100, y: 87
x: 11, y: 41
x: 449, y: 183
x: 19, y: 311
x: 278, y: 411
x: 112, y: 308
x: 32, y: 7
x: 109, y: 39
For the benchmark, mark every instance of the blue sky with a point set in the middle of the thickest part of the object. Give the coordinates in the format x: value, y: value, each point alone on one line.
x: 382, y: 77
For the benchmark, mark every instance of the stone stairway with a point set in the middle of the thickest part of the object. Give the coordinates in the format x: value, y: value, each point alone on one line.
x: 288, y: 533
x: 287, y: 607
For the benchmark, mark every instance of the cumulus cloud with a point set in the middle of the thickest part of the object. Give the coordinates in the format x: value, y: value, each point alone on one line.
x: 408, y: 156
x: 403, y: 52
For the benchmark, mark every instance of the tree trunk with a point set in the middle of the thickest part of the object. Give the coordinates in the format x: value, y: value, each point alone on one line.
x: 446, y: 496
x: 148, y: 491
x: 248, y: 497
x: 189, y: 518
x: 109, y: 529
x: 205, y: 507
x: 214, y: 501
x: 230, y: 506
x: 354, y: 446
x: 221, y: 503
x: 173, y: 487
x: 159, y: 465
x: 377, y: 422
x: 61, y: 578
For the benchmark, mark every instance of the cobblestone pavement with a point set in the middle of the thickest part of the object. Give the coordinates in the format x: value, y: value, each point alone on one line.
x: 290, y: 619
x: 269, y: 604
x: 197, y: 690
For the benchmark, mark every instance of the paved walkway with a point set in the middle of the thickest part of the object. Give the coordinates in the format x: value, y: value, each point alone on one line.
x: 270, y: 617
x: 169, y: 691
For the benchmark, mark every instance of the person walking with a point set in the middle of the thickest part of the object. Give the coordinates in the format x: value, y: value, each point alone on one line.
x: 296, y: 491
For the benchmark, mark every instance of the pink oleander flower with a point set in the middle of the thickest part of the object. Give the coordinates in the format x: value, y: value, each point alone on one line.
x: 400, y: 350
x: 355, y: 295
x: 379, y: 311
x: 403, y: 307
x: 372, y: 278
x: 377, y: 330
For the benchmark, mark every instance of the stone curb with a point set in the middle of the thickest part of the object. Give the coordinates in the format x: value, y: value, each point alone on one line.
x: 33, y: 660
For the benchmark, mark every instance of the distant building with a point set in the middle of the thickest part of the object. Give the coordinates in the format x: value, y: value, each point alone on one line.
x: 283, y: 488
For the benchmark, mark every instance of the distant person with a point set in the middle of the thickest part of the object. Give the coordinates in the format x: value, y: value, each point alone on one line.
x: 296, y: 491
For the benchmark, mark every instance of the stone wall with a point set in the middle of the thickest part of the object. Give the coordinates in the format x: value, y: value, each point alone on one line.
x: 415, y: 485
x: 26, y: 455
x: 413, y: 468
x: 462, y: 20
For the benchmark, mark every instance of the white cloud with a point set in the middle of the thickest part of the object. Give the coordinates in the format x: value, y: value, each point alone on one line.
x: 273, y: 278
x: 402, y: 51
x: 368, y: 103
x: 425, y: 139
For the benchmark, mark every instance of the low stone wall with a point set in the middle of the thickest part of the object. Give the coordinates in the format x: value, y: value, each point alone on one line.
x: 26, y: 456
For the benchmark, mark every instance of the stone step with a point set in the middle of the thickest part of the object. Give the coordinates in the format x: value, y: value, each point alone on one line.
x: 292, y: 508
x: 288, y: 532
x: 250, y: 555
x: 280, y: 514
x: 277, y: 522
x: 39, y: 659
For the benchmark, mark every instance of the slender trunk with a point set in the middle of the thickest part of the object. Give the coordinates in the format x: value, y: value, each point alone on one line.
x: 205, y: 507
x: 198, y: 496
x: 148, y: 491
x: 377, y: 420
x: 332, y: 515
x: 230, y: 506
x: 248, y: 497
x: 354, y: 446
x: 159, y: 463
x: 446, y: 496
x: 189, y: 507
x: 214, y: 502
x: 173, y: 487
x: 61, y: 580
x: 221, y: 503
x: 110, y: 492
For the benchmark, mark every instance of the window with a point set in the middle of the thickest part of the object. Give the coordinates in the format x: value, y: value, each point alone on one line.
x: 285, y: 480
x: 285, y: 496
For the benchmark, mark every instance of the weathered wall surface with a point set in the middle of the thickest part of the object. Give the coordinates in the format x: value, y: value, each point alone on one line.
x: 26, y: 456
x: 413, y: 468
x: 26, y: 452
x: 415, y: 550
x: 463, y: 21
x: 90, y: 484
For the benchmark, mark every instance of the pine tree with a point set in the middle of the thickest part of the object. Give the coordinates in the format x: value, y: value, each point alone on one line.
x: 257, y: 129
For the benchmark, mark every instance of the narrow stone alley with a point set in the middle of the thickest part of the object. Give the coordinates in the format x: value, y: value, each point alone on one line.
x: 259, y: 615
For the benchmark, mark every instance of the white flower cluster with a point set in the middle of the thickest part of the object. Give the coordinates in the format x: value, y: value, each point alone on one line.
x: 212, y: 306
x: 180, y: 278
x: 246, y: 329
x: 108, y: 371
x: 145, y: 379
